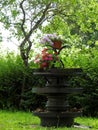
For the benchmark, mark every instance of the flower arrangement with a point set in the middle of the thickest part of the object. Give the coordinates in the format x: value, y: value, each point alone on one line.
x: 46, y: 59
x: 49, y: 56
x: 51, y: 39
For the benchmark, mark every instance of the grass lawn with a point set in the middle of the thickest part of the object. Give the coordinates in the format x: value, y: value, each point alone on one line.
x: 25, y: 121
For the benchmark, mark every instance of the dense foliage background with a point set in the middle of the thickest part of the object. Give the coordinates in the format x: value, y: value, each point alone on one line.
x: 16, y: 82
x: 12, y: 73
x: 76, y: 21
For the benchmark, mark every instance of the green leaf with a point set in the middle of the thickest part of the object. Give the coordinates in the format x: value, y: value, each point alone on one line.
x: 14, y: 13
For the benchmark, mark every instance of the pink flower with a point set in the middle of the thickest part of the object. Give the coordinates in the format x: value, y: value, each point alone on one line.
x: 50, y: 55
x: 43, y: 65
x: 37, y: 61
x: 46, y: 58
x: 50, y: 58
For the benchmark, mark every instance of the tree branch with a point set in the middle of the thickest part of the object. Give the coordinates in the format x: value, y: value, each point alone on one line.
x: 40, y: 20
x: 35, y: 26
x: 25, y: 51
x: 24, y: 19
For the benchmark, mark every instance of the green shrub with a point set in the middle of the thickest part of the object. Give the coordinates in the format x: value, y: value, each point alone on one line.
x: 16, y: 82
x: 88, y: 61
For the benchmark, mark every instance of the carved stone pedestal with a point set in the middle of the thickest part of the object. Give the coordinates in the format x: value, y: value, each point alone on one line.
x: 57, y: 111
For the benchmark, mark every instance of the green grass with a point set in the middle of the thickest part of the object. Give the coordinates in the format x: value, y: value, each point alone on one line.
x: 25, y: 121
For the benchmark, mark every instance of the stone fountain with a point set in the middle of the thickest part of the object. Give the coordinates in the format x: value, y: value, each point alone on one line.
x: 58, y: 112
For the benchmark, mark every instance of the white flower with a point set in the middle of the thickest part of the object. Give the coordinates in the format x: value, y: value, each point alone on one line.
x: 49, y: 38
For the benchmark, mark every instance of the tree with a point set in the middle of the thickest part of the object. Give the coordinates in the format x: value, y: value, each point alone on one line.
x: 74, y: 19
x: 77, y: 22
x: 23, y: 19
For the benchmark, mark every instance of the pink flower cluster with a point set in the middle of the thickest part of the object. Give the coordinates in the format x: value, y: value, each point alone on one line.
x: 45, y: 58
